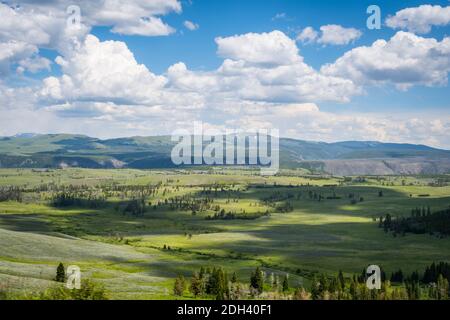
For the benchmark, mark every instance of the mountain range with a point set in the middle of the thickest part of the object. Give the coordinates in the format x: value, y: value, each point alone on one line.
x: 340, y: 158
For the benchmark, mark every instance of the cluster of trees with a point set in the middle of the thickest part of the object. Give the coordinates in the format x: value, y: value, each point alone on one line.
x: 188, y: 203
x: 10, y: 194
x: 433, y: 272
x: 212, y: 282
x: 79, y: 199
x: 215, y: 283
x: 135, y: 207
x: 421, y: 221
x: 222, y: 215
x: 284, y: 207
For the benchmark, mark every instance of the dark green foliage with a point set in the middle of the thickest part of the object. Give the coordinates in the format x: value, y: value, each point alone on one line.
x: 60, y: 273
x: 217, y: 284
x: 433, y: 272
x: 285, y: 283
x: 197, y: 285
x: 10, y: 194
x: 135, y: 207
x: 179, y: 286
x: 397, y: 276
x: 89, y: 291
x: 257, y: 280
x: 421, y: 221
x: 78, y: 199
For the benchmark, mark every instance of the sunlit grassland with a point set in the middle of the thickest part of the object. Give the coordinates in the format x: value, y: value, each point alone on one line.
x: 126, y: 253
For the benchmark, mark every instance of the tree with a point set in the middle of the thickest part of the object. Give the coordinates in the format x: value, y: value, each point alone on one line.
x: 196, y: 287
x: 217, y: 284
x: 257, y: 280
x: 179, y: 286
x: 442, y: 288
x: 301, y: 294
x: 286, y: 283
x: 341, y: 280
x: 60, y: 273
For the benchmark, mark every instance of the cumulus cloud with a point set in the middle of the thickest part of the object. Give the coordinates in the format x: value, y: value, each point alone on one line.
x: 261, y: 67
x: 307, y: 121
x: 405, y: 60
x: 12, y: 52
x: 32, y: 26
x: 33, y: 64
x: 106, y: 71
x: 191, y: 25
x: 420, y: 19
x: 331, y: 34
x: 140, y: 17
x: 307, y: 35
x: 260, y: 48
x: 102, y: 71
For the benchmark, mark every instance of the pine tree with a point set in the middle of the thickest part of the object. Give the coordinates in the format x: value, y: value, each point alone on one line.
x: 196, y: 287
x: 257, y: 280
x: 286, y: 283
x: 442, y: 288
x: 341, y: 280
x: 60, y: 273
x: 234, y: 278
x: 179, y: 286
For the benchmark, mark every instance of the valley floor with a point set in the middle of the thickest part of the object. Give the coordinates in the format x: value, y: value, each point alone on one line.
x: 292, y: 224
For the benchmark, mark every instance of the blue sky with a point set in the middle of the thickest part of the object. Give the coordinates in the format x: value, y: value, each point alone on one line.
x: 135, y: 68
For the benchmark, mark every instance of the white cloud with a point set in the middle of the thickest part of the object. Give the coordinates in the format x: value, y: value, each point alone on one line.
x: 44, y: 25
x: 307, y: 121
x: 33, y: 64
x: 138, y: 17
x: 307, y: 35
x: 280, y: 15
x: 261, y: 67
x: 331, y: 34
x: 144, y: 27
x: 420, y: 19
x: 259, y: 48
x: 338, y: 35
x: 191, y: 25
x: 141, y: 17
x: 103, y: 71
x: 14, y: 52
x: 405, y: 60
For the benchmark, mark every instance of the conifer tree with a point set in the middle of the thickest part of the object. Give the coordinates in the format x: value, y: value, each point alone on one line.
x: 286, y: 283
x: 257, y: 280
x: 60, y: 273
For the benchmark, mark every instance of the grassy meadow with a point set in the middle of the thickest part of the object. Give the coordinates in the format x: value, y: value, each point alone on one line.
x: 330, y: 226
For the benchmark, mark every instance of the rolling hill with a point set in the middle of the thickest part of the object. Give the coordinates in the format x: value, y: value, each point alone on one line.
x: 340, y: 158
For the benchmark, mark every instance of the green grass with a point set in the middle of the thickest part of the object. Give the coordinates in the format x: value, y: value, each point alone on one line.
x: 125, y: 253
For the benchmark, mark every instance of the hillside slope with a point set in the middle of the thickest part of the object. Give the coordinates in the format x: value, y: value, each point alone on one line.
x: 340, y: 158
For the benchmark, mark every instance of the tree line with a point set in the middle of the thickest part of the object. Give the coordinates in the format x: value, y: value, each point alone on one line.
x: 218, y: 284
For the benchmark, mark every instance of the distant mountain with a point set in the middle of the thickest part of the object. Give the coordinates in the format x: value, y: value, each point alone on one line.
x: 340, y: 158
x: 26, y: 135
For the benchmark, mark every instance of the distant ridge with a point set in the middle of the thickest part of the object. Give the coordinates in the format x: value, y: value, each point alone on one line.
x: 29, y: 150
